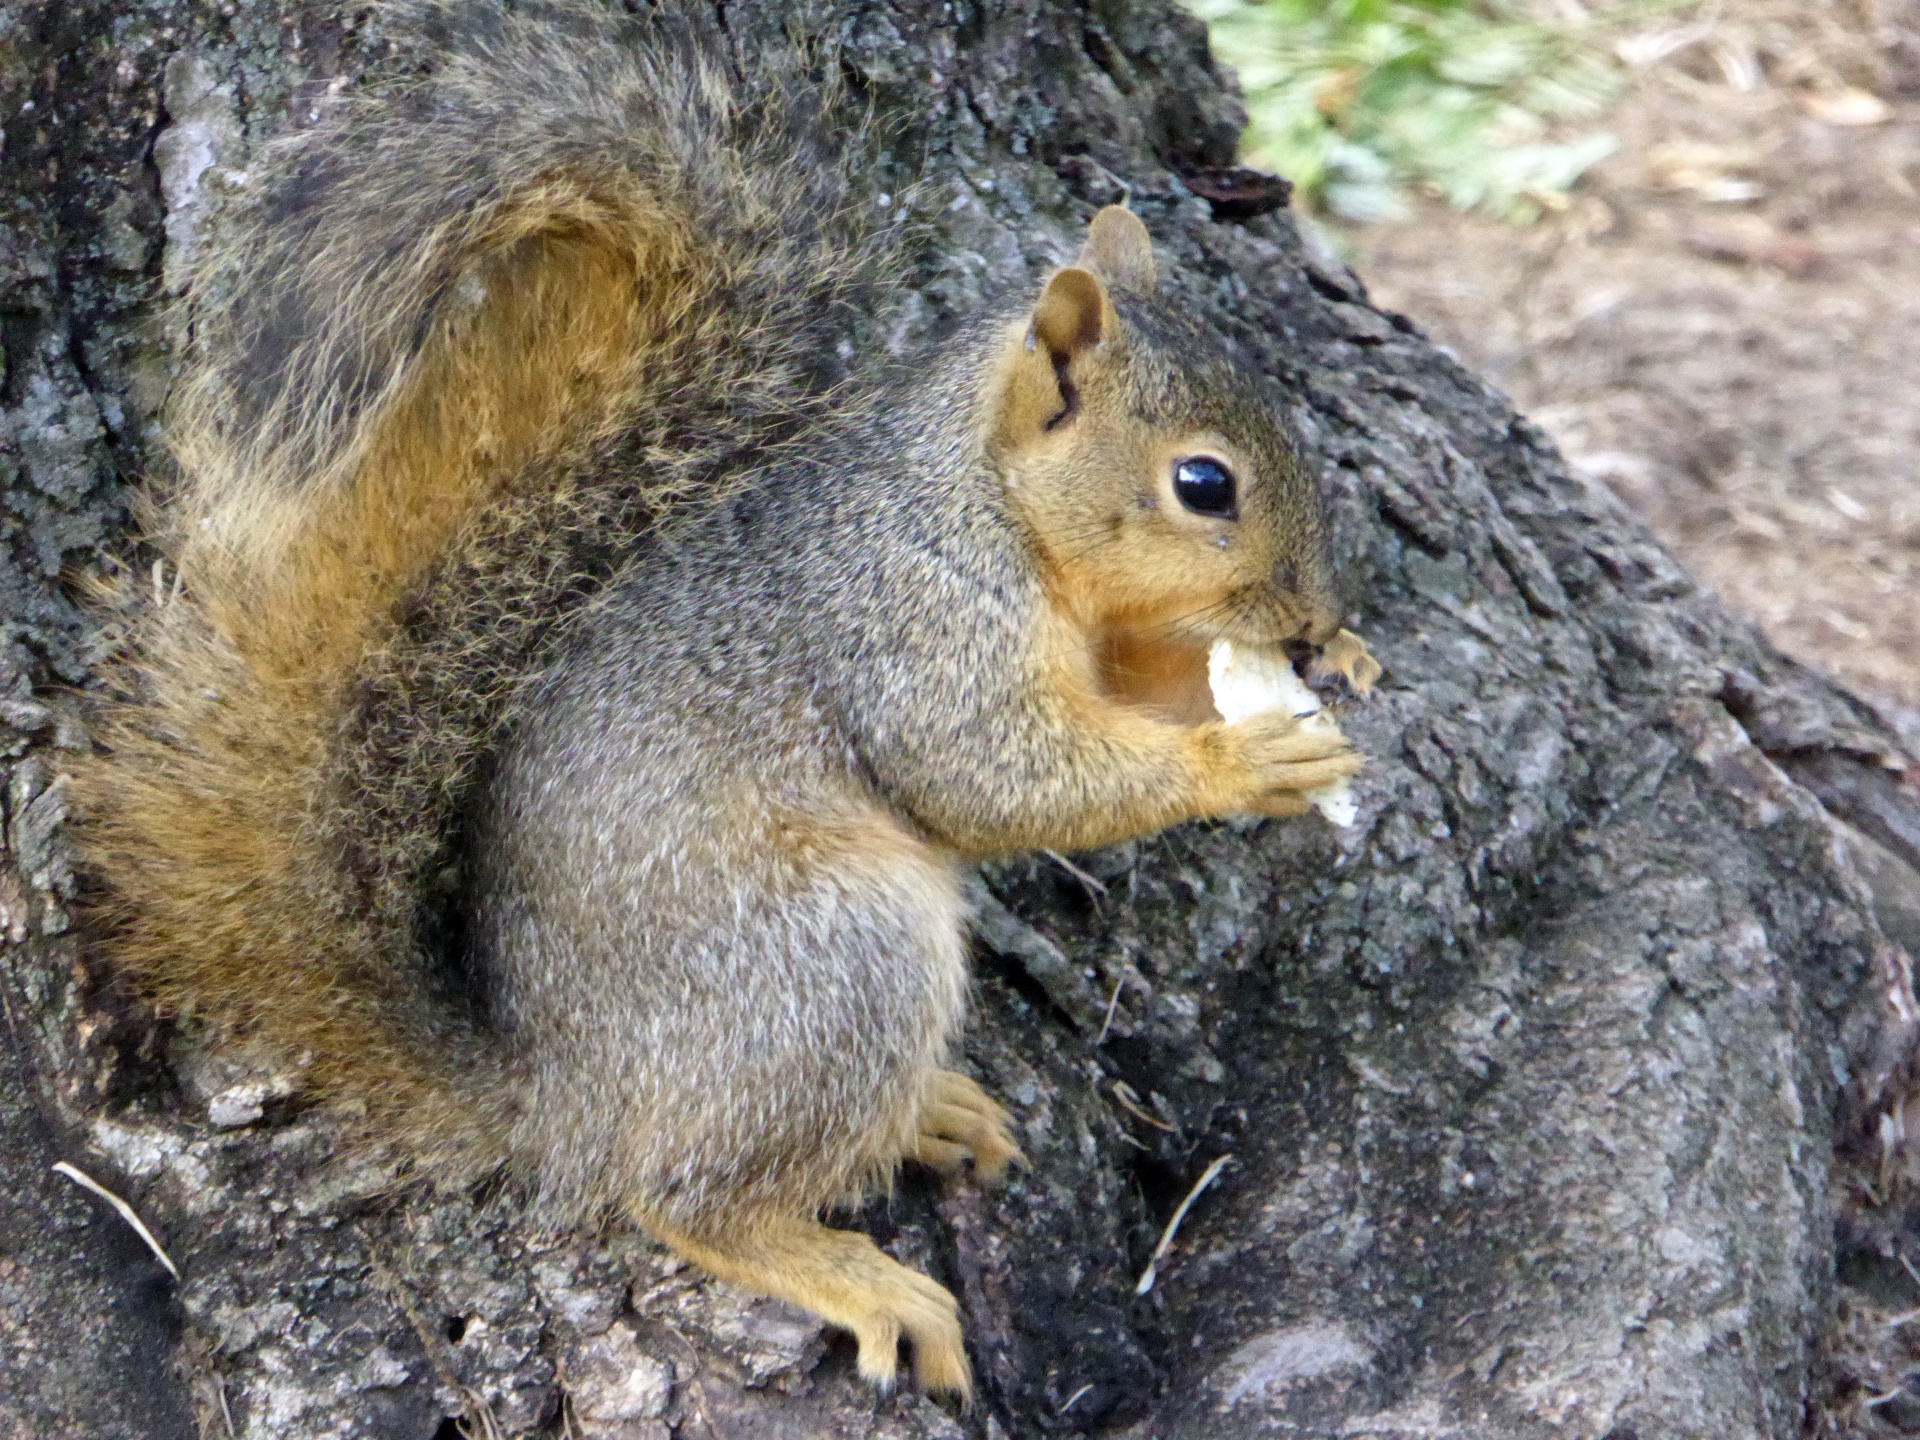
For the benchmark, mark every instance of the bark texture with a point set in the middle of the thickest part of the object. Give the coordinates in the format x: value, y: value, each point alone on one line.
x: 1532, y: 1082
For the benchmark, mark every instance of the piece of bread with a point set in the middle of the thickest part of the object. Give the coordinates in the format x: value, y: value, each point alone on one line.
x: 1246, y: 682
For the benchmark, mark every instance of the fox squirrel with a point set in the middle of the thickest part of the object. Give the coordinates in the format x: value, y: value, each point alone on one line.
x: 585, y: 682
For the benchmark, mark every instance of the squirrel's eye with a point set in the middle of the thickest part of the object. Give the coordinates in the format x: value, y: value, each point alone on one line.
x: 1206, y: 487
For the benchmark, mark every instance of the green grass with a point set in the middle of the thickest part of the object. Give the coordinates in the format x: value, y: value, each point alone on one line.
x: 1359, y: 101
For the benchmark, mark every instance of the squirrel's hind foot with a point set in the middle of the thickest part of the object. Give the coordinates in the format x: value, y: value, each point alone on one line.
x: 960, y: 1122
x: 847, y: 1280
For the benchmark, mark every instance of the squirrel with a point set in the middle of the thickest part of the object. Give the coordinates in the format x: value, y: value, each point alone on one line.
x: 584, y: 683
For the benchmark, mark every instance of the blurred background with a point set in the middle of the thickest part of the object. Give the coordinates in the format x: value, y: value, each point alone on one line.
x: 1684, y: 237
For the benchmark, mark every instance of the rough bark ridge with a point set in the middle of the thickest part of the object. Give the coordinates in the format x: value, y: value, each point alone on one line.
x: 1531, y: 1082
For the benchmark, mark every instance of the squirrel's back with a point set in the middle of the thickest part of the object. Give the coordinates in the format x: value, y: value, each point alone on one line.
x: 472, y: 335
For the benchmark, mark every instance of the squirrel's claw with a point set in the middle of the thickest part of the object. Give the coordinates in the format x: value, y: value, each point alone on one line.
x: 959, y: 1122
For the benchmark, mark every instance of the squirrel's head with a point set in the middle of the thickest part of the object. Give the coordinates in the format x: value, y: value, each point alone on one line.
x: 1157, y: 481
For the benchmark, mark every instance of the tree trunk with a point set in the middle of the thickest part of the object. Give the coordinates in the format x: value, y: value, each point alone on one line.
x: 1527, y: 1088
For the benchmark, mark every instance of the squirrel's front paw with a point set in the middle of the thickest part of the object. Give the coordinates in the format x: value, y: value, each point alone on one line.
x: 1279, y: 759
x: 960, y: 1122
x: 1345, y: 655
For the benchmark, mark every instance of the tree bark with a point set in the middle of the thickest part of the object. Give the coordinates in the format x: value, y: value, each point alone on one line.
x: 1528, y: 1088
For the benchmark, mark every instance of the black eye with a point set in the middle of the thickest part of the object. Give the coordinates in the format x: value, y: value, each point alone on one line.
x: 1206, y: 487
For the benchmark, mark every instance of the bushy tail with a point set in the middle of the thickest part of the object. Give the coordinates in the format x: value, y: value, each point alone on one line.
x: 473, y: 335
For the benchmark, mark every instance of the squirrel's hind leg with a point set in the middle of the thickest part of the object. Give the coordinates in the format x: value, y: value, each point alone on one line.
x: 960, y: 1122
x: 847, y: 1280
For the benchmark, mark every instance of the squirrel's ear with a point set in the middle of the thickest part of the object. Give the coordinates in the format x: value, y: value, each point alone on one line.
x: 1042, y: 387
x: 1119, y: 249
x: 1072, y: 316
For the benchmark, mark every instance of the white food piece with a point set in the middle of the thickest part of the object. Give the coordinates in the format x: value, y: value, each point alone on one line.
x: 1245, y: 682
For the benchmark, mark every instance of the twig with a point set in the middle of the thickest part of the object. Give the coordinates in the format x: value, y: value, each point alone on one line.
x: 1901, y: 1256
x: 87, y: 1182
x: 1207, y: 1177
x: 1112, y: 1005
x: 1097, y: 887
x: 1130, y: 1102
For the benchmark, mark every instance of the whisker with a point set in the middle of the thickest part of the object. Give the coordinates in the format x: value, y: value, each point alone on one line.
x: 1223, y: 606
x: 1191, y: 617
x: 1099, y: 533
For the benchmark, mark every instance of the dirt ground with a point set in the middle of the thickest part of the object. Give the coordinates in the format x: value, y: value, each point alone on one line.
x: 1724, y: 324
